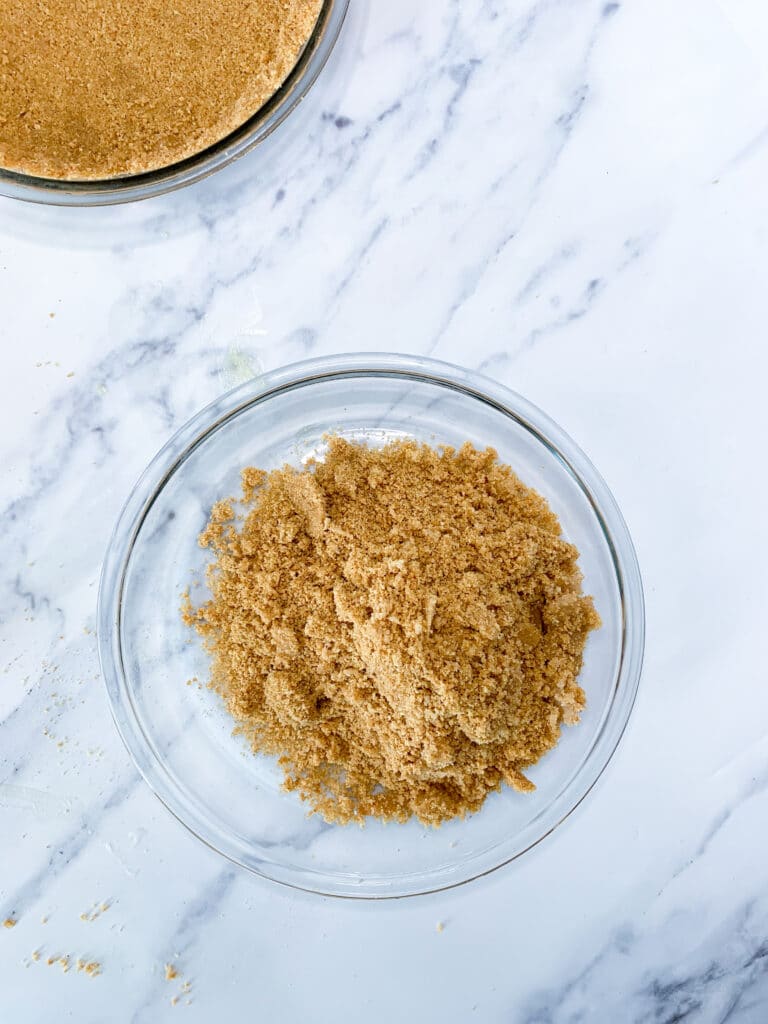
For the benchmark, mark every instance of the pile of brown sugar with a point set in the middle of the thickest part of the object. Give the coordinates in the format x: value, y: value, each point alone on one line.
x: 402, y: 627
x: 98, y: 88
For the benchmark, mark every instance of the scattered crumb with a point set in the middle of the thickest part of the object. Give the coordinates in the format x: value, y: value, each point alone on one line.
x: 96, y: 910
x: 71, y: 373
x: 44, y: 920
x: 89, y: 967
x: 170, y: 972
x: 439, y: 927
x: 51, y: 315
x: 174, y: 1000
x: 10, y: 922
x: 186, y: 987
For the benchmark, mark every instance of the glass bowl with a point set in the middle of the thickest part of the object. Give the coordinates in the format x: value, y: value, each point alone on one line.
x: 180, y: 736
x: 131, y: 187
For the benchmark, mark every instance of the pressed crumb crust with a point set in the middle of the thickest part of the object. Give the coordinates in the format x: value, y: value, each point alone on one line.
x: 99, y: 88
x: 402, y: 627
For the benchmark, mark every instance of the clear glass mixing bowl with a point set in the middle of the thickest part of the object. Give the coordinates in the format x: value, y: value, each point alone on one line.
x: 128, y: 188
x: 181, y: 738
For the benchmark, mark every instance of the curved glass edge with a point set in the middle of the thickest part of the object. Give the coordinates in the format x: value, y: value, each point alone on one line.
x: 208, y: 420
x: 135, y: 187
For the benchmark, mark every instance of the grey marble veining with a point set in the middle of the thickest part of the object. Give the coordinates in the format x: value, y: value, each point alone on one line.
x: 570, y: 196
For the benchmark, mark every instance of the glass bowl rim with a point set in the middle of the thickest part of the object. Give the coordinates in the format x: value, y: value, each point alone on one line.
x: 348, y: 366
x: 130, y: 188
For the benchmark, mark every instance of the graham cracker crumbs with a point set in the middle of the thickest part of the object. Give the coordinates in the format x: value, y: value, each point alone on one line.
x: 174, y: 1000
x: 97, y: 89
x: 402, y: 628
x: 44, y: 920
x: 170, y: 972
x: 95, y: 911
x: 10, y: 922
x: 90, y: 967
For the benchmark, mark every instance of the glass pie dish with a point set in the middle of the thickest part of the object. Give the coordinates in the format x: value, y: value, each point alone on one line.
x: 132, y: 187
x: 181, y: 737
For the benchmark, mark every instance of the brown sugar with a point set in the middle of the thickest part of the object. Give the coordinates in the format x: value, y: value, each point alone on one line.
x: 101, y: 88
x: 403, y: 628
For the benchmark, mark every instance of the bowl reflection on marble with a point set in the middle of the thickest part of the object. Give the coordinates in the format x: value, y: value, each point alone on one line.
x: 181, y: 737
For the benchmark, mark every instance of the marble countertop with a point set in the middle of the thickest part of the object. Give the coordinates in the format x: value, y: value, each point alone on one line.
x: 571, y: 197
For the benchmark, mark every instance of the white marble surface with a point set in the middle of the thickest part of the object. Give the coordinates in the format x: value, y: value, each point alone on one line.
x: 571, y: 195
